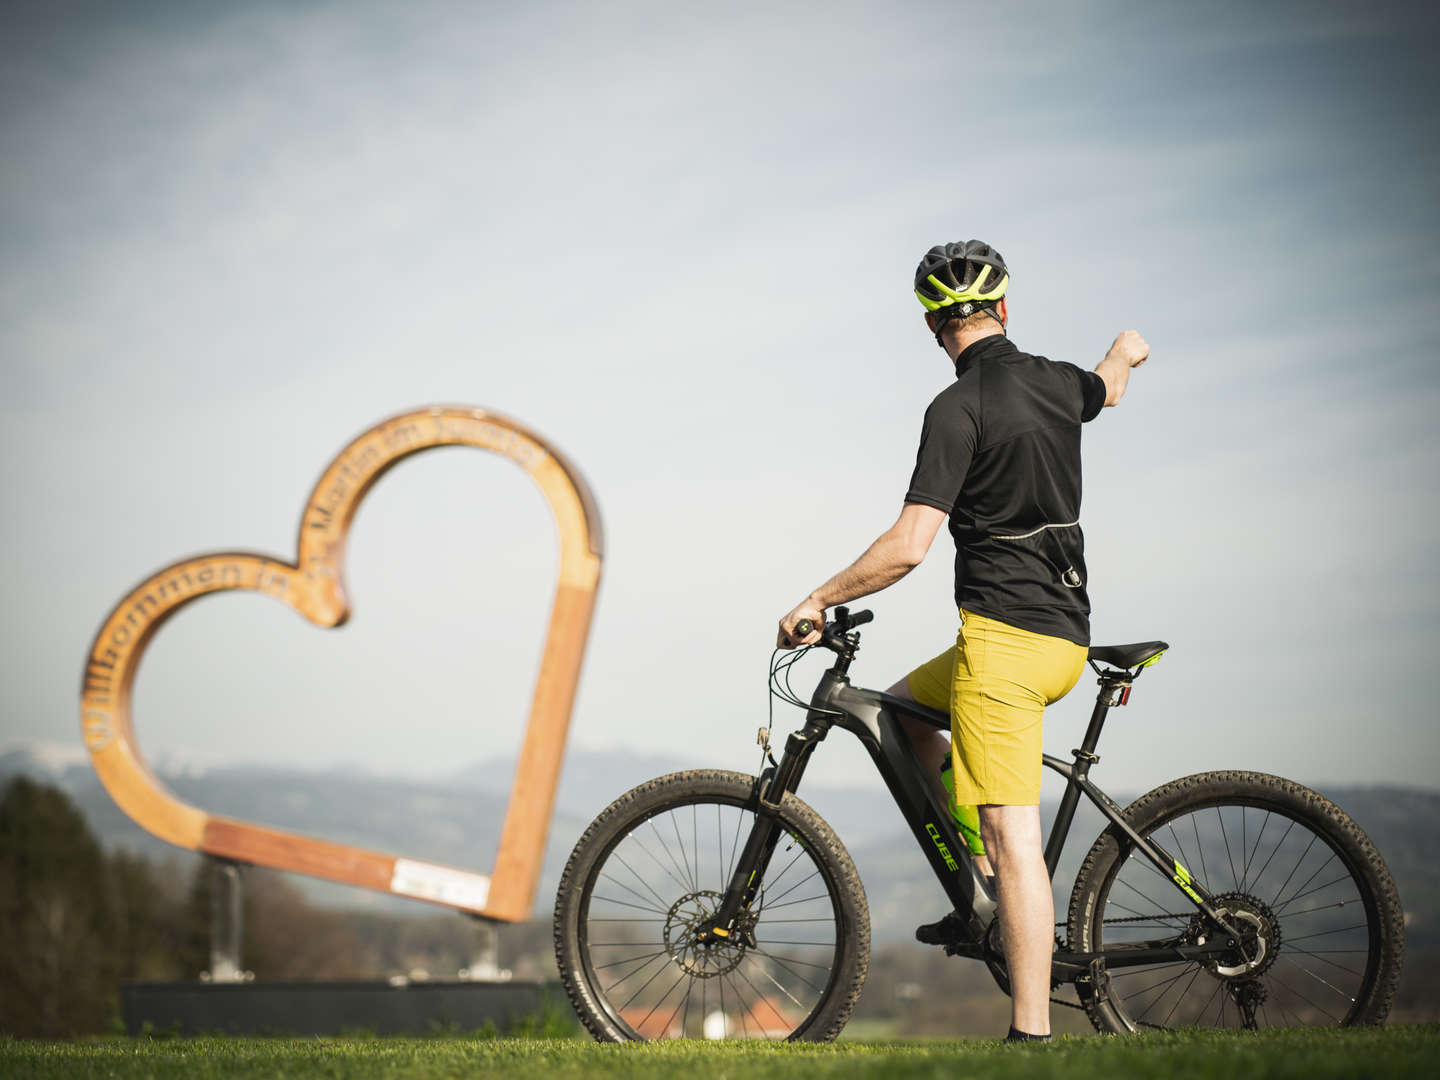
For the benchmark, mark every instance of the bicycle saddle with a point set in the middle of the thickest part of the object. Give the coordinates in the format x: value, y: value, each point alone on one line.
x: 1129, y: 656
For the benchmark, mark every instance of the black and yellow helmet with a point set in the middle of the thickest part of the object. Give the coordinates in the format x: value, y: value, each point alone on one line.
x: 967, y: 276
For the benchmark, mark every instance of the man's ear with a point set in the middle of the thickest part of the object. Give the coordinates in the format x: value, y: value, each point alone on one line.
x: 930, y: 320
x: 1003, y: 310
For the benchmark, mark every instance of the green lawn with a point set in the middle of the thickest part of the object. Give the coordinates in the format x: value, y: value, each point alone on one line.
x: 1352, y: 1054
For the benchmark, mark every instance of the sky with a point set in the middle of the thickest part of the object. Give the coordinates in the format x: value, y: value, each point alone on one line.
x: 678, y: 240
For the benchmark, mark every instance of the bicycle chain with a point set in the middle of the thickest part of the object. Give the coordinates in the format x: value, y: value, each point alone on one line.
x: 1108, y: 922
x: 1143, y: 918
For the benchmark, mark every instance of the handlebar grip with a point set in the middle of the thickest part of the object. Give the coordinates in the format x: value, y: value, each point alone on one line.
x: 860, y: 618
x: 803, y: 628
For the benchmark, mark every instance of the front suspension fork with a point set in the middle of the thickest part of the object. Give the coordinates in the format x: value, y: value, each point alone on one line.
x: 770, y: 788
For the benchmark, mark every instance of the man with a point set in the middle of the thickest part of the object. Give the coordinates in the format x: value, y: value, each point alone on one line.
x: 1000, y: 454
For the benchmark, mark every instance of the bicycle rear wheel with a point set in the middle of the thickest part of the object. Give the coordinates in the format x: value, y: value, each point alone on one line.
x: 654, y: 866
x: 1322, y: 923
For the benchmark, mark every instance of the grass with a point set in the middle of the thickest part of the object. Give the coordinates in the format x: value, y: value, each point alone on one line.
x: 1353, y: 1054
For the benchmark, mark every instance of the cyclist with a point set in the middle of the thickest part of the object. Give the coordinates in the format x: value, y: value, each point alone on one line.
x: 1000, y: 455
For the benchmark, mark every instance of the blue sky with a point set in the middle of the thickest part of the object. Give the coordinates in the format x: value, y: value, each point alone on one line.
x: 678, y: 240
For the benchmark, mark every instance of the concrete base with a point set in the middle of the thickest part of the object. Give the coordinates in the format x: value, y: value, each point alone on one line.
x: 333, y: 1008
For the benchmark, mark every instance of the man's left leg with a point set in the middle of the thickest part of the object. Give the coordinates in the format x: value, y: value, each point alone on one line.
x: 929, y: 685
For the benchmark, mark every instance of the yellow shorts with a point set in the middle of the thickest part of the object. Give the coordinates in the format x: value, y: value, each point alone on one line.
x: 996, y: 682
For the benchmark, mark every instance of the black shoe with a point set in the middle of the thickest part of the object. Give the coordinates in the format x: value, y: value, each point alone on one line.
x: 1016, y: 1035
x: 948, y: 931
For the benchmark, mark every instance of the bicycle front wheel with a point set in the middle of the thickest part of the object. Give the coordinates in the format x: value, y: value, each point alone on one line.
x: 654, y: 866
x: 1311, y: 896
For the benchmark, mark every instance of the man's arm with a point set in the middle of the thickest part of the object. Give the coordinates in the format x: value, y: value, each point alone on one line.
x: 894, y: 554
x: 1129, y: 350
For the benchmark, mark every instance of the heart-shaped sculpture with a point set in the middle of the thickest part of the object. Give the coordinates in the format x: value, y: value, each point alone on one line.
x: 314, y: 586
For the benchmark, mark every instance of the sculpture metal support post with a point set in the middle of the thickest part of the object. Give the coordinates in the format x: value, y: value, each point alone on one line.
x: 227, y: 922
x: 485, y: 963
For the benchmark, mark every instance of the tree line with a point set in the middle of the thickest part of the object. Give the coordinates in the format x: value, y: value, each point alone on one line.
x: 75, y: 921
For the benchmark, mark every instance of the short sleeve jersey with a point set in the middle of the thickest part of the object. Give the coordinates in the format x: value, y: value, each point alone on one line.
x: 1000, y: 453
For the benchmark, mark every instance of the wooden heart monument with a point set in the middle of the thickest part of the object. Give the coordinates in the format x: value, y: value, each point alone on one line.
x: 314, y: 586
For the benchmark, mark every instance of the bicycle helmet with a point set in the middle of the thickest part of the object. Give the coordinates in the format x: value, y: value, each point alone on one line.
x: 960, y: 279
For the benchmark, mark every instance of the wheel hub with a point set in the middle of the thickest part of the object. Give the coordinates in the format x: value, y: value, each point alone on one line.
x: 1254, y: 951
x: 686, y: 918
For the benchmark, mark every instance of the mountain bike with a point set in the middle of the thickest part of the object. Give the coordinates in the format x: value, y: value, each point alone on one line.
x: 714, y: 904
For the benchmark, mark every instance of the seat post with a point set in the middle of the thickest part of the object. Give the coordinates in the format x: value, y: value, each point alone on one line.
x: 1084, y: 758
x: 1110, y: 681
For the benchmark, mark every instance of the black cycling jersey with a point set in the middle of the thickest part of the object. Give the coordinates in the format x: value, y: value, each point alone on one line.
x: 1000, y: 453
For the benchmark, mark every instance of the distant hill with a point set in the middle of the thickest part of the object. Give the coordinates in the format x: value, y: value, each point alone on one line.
x: 457, y: 820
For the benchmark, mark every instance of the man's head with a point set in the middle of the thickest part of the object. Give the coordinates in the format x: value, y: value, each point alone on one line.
x: 962, y: 287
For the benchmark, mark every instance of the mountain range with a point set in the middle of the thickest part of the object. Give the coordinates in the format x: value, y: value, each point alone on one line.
x: 456, y: 820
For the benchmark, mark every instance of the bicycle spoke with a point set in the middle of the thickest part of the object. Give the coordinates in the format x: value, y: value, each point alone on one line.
x: 721, y: 861
x: 685, y: 859
x: 660, y: 1002
x: 1137, y: 916
x: 760, y: 997
x: 643, y: 881
x: 661, y: 841
x: 1300, y: 889
x: 1140, y: 894
x: 770, y: 883
x: 785, y: 990
x: 1317, y: 977
x: 1162, y: 983
x: 820, y: 919
x: 1275, y: 850
x: 1295, y: 869
x: 1224, y: 835
x: 624, y: 903
x: 622, y: 919
x: 791, y: 960
x: 660, y: 971
x: 1250, y: 856
x: 1204, y: 870
x: 771, y: 906
x: 1244, y: 845
x: 1332, y: 963
x: 1327, y: 907
x: 1317, y: 888
x: 685, y: 1017
x: 1312, y: 1004
x: 765, y: 906
x: 630, y: 960
x: 1179, y: 999
x: 631, y: 974
x: 1326, y: 933
x: 1178, y: 845
x: 780, y: 963
x: 734, y: 852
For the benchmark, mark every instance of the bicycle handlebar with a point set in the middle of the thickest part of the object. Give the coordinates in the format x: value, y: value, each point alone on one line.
x: 844, y: 621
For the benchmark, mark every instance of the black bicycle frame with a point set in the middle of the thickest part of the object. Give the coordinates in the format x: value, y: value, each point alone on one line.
x: 874, y: 718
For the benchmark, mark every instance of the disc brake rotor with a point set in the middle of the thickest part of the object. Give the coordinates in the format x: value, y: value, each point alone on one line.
x: 685, y: 919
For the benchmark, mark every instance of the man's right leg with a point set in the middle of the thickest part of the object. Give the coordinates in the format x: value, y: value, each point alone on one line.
x: 1004, y: 678
x: 1026, y: 911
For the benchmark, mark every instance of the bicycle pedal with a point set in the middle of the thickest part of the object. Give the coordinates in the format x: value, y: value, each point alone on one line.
x: 949, y: 931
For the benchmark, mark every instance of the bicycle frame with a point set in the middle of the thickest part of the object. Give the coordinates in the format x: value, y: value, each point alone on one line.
x: 874, y: 718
